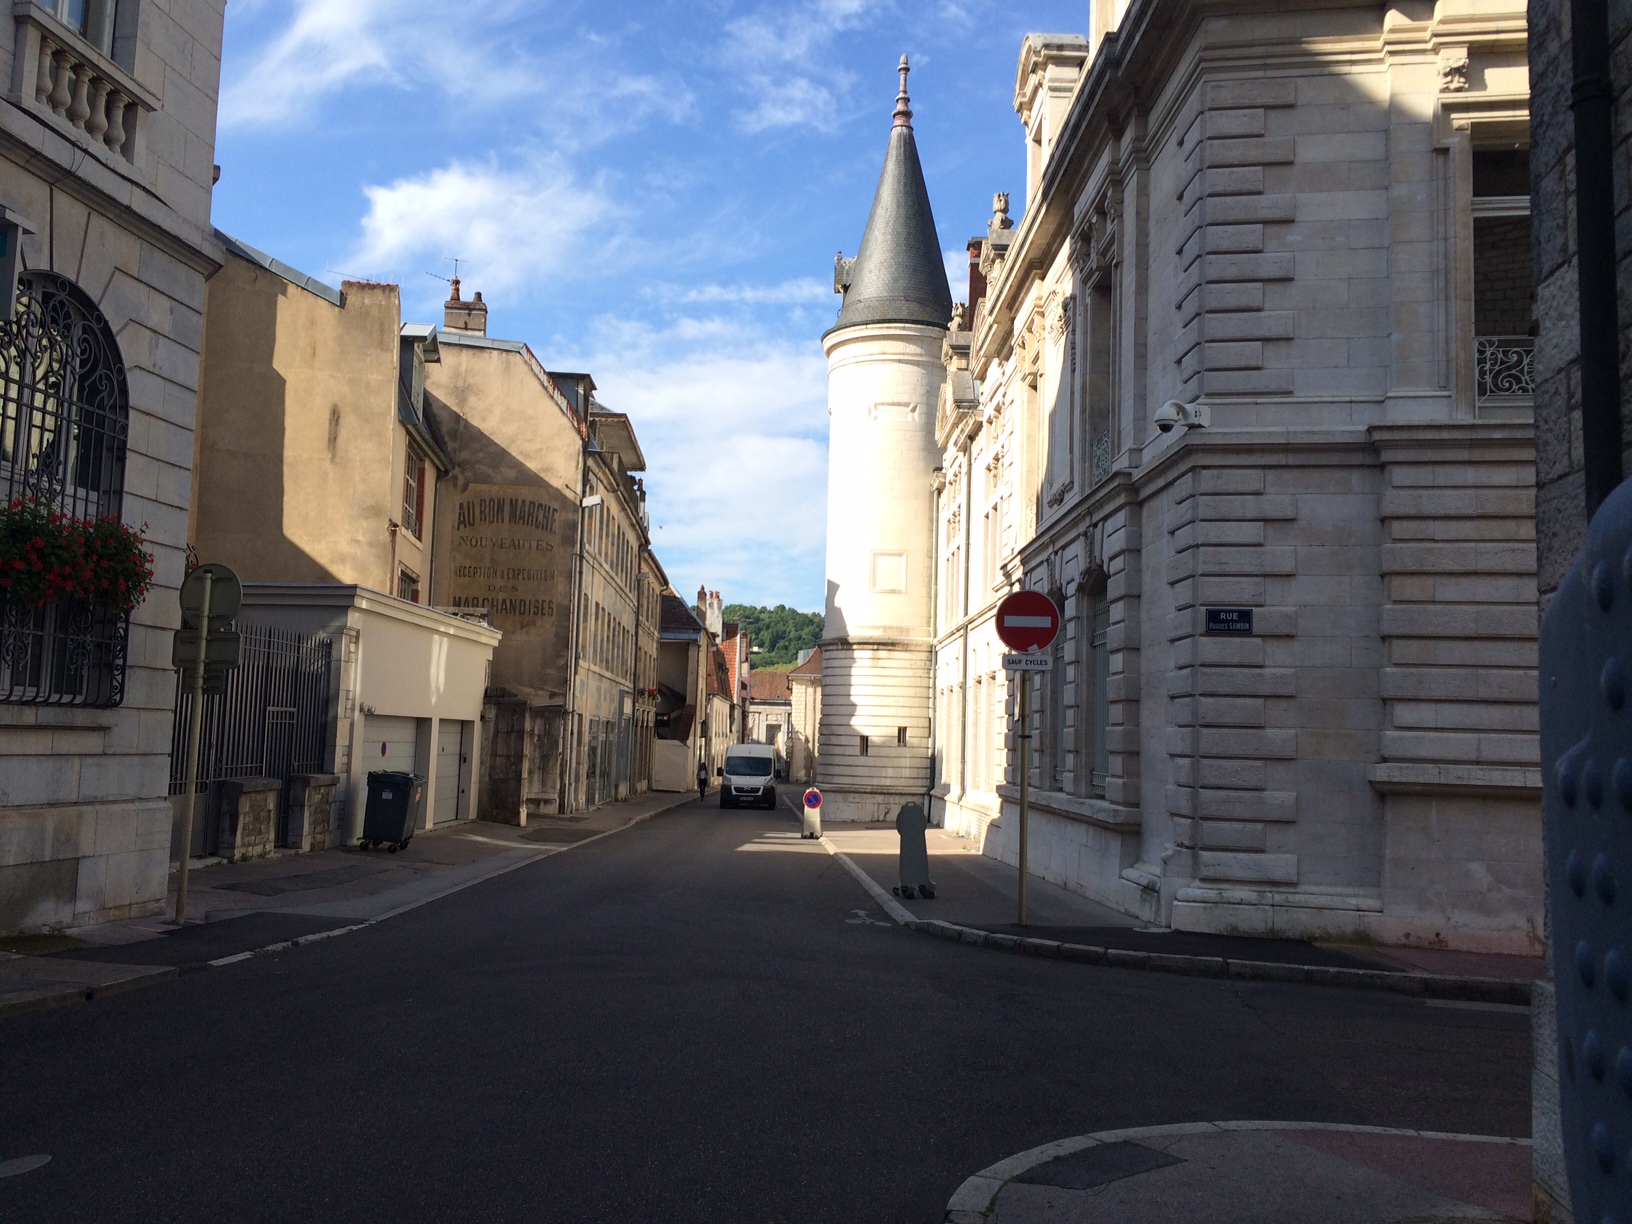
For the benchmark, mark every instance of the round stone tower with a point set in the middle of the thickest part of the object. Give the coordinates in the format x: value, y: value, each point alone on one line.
x: 884, y: 377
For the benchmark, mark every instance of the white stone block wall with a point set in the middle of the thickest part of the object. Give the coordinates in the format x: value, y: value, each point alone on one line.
x: 85, y: 822
x: 1288, y: 242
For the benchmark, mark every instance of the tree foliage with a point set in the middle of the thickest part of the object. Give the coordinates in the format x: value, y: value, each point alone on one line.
x: 777, y: 634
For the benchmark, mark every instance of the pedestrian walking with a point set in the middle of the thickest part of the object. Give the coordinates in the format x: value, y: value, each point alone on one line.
x: 702, y: 780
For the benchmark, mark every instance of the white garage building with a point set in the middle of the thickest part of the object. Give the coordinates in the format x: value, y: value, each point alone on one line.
x: 408, y: 683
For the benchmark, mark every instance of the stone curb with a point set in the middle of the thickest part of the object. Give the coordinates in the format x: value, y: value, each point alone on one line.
x: 973, y: 1201
x: 161, y: 973
x: 1419, y: 985
x: 85, y: 994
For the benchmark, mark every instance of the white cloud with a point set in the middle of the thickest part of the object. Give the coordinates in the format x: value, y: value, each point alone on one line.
x: 793, y: 33
x: 801, y: 291
x: 780, y: 53
x: 475, y: 57
x: 733, y: 422
x: 330, y: 43
x: 512, y: 226
x: 793, y: 101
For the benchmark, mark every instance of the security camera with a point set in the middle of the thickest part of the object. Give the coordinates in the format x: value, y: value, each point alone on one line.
x: 1174, y: 412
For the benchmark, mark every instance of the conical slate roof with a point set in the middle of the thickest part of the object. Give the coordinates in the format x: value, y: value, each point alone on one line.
x: 899, y: 275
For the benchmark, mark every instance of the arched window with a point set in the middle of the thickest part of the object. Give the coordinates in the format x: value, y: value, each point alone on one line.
x: 64, y: 423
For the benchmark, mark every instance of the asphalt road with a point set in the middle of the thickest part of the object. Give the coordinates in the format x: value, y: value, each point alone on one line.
x: 685, y: 1022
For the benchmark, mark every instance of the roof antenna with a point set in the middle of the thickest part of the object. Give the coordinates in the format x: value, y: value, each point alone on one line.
x: 903, y: 108
x: 454, y: 280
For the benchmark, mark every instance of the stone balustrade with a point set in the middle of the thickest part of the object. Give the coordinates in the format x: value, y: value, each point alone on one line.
x: 57, y: 73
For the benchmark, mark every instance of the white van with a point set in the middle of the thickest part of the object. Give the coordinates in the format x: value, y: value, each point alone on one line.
x: 749, y: 775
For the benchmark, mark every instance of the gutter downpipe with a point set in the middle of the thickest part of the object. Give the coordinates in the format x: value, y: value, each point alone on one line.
x: 1592, y: 100
x: 968, y: 566
x: 569, y: 758
x: 934, y: 657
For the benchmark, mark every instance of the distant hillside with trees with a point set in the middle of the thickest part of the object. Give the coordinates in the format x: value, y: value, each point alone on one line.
x: 777, y: 634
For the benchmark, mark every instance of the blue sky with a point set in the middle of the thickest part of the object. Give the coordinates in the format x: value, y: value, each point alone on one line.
x: 653, y: 192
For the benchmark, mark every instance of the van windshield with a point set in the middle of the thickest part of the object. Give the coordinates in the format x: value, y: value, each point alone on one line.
x: 748, y: 766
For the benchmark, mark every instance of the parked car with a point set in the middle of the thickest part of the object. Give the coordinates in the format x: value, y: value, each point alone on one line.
x: 749, y: 775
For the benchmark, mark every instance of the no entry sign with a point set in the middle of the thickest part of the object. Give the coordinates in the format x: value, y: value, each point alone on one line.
x: 1027, y: 621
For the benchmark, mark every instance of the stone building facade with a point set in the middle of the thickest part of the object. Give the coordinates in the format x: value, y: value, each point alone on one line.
x: 1299, y: 231
x: 506, y: 541
x: 305, y: 390
x: 107, y: 138
x: 1561, y: 512
x: 619, y: 603
x: 316, y: 479
x: 1561, y: 519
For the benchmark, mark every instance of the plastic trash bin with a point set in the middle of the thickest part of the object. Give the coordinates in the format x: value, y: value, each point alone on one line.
x: 393, y: 798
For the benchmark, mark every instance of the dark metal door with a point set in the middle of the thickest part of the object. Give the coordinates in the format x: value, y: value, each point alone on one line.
x: 1586, y: 757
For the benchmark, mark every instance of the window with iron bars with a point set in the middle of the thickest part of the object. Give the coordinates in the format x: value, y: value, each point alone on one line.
x: 64, y: 425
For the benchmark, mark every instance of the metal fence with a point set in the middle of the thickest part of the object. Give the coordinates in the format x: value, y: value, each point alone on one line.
x: 271, y: 720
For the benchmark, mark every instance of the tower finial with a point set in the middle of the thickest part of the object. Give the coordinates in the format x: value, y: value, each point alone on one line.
x: 903, y: 106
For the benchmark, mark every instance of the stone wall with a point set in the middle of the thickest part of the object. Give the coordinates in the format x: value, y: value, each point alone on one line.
x: 84, y: 818
x: 1561, y: 520
x: 249, y: 818
x: 311, y: 818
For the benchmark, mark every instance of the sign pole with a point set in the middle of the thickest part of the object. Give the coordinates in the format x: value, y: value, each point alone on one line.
x: 195, y: 734
x: 1025, y: 782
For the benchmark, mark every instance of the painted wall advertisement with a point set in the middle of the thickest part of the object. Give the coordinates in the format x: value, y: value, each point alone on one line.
x: 512, y: 554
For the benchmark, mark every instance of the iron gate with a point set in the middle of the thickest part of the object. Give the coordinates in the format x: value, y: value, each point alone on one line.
x: 271, y: 720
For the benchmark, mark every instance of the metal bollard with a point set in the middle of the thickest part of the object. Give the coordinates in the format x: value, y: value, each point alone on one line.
x: 910, y: 823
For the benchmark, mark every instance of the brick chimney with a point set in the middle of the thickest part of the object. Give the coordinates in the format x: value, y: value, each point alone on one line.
x: 464, y: 316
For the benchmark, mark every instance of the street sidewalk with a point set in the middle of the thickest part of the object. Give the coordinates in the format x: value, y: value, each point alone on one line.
x: 977, y: 900
x: 1251, y: 1172
x: 237, y: 910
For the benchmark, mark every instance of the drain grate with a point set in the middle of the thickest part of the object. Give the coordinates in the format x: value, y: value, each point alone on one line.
x: 1098, y: 1166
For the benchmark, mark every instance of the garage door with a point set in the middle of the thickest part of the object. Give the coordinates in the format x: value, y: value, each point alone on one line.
x: 389, y: 743
x: 450, y: 776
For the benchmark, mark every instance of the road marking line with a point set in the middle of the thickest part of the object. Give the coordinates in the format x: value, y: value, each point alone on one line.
x: 22, y: 1164
x: 533, y: 857
x: 892, y: 907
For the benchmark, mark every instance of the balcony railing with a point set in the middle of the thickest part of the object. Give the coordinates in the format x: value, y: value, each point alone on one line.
x: 57, y: 73
x: 1504, y: 370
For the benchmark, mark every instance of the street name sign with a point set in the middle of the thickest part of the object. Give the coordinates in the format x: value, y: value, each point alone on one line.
x: 1027, y: 621
x: 1229, y: 620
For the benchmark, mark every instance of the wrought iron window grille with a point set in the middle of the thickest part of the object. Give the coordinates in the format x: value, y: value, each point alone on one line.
x: 1504, y: 369
x: 64, y: 428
